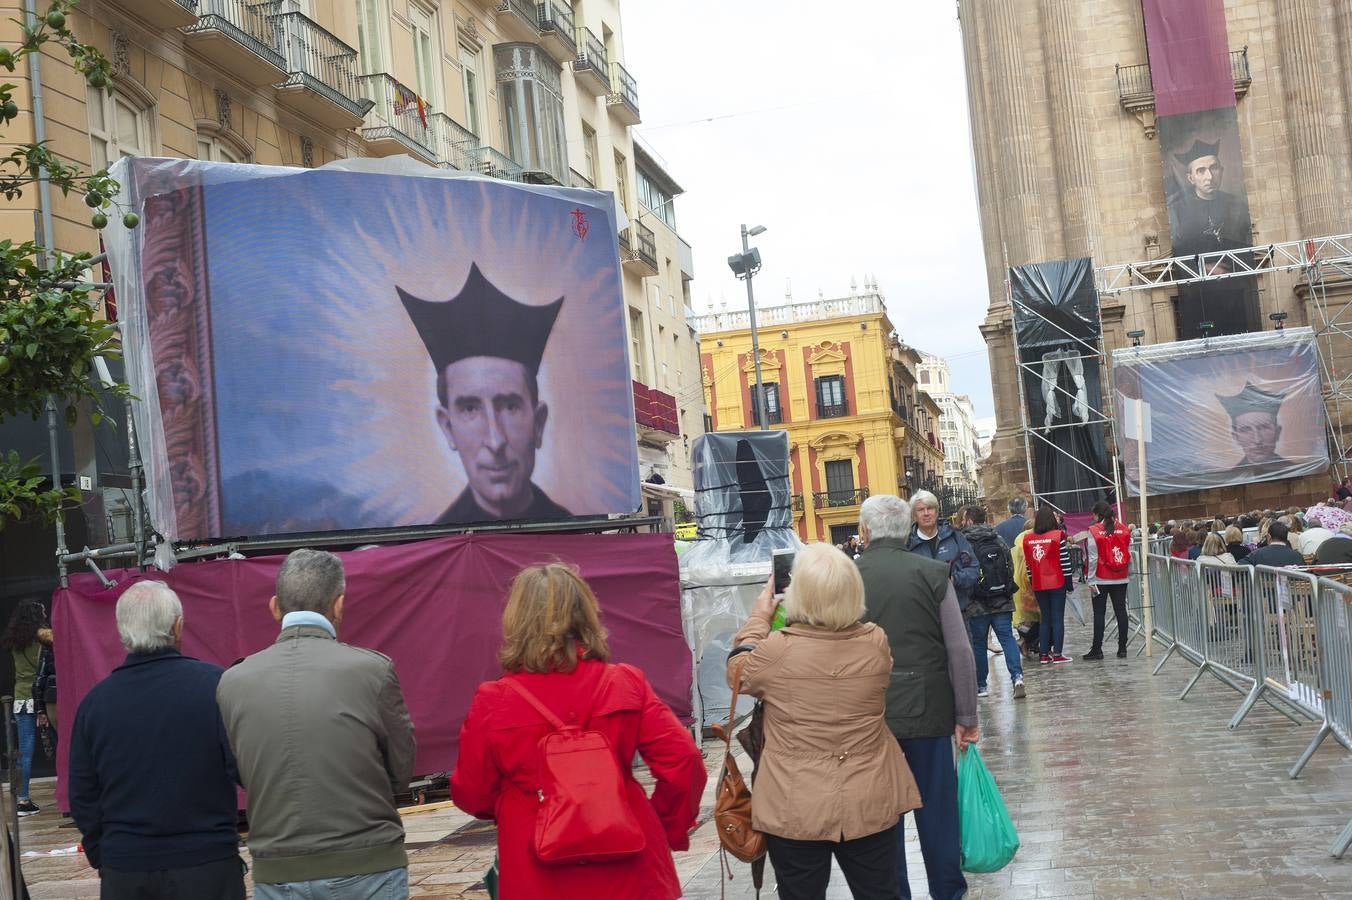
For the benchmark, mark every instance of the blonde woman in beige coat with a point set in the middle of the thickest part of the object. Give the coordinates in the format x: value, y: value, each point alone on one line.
x: 832, y: 779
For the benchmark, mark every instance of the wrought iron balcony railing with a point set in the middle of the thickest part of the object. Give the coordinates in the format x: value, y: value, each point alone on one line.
x: 317, y: 60
x: 251, y: 25
x: 556, y: 22
x: 455, y: 144
x: 490, y: 162
x: 591, y: 57
x: 797, y: 502
x: 624, y: 91
x: 647, y: 244
x: 822, y: 499
x: 833, y: 410
x: 523, y: 10
x: 396, y: 115
x: 1136, y: 89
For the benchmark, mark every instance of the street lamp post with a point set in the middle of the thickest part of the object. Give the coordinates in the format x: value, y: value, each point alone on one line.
x: 745, y: 265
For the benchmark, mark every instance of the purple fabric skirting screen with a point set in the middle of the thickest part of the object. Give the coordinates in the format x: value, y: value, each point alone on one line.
x: 1189, y: 55
x: 434, y: 607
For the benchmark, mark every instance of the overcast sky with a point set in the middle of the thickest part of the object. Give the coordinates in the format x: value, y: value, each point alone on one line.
x: 843, y: 130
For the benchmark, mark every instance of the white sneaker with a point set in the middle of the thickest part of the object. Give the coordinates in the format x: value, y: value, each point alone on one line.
x: 983, y: 691
x: 1019, y: 691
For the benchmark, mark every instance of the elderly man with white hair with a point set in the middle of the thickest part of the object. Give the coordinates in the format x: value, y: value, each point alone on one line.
x: 152, y: 779
x: 931, y: 696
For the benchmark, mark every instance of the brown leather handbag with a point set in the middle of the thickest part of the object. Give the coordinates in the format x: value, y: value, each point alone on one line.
x: 732, y: 807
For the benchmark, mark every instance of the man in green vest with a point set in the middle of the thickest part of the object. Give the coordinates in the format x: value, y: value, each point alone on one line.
x: 931, y: 700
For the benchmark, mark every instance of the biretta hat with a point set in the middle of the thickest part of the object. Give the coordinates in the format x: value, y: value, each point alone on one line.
x: 1251, y: 399
x: 481, y: 321
x: 1197, y: 151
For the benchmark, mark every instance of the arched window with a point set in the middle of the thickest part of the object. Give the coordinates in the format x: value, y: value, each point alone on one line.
x: 118, y: 127
x: 218, y: 145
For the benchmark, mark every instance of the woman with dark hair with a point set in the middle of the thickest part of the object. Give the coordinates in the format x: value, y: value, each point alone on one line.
x: 555, y: 667
x: 24, y: 637
x: 1046, y: 554
x: 1108, y: 569
x: 1182, y: 540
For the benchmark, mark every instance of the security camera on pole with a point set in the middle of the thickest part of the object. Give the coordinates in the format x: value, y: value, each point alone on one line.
x: 745, y: 265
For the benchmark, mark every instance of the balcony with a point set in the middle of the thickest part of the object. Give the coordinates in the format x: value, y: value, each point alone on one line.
x: 623, y: 99
x: 578, y: 180
x: 797, y: 502
x: 638, y: 250
x: 163, y: 13
x: 490, y: 162
x: 833, y: 410
x: 518, y: 20
x: 558, y: 34
x: 1136, y: 90
x: 241, y: 39
x: 591, y: 66
x: 655, y: 414
x: 397, y: 122
x: 829, y: 499
x: 322, y: 83
x: 692, y: 321
x: 454, y: 144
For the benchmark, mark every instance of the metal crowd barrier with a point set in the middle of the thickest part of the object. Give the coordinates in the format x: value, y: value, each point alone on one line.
x: 1282, y: 636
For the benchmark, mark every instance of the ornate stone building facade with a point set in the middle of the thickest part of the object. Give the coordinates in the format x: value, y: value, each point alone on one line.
x: 1068, y: 165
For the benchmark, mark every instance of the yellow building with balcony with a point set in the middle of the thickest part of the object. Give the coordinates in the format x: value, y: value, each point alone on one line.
x: 838, y: 379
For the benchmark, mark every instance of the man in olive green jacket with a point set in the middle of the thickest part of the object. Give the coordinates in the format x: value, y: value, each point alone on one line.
x: 931, y: 698
x: 324, y: 742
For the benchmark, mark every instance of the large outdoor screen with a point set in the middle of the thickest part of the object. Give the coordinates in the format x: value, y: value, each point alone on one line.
x: 1223, y: 411
x: 333, y: 350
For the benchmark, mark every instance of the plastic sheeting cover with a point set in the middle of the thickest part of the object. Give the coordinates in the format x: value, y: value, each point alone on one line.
x: 142, y: 178
x: 1225, y: 410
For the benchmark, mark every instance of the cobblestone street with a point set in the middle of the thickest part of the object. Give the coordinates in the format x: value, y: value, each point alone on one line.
x: 1117, y: 788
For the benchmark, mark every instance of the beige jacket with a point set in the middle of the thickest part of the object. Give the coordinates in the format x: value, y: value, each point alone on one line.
x: 830, y: 770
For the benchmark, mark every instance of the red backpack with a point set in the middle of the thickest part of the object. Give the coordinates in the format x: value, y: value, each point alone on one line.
x: 584, y: 814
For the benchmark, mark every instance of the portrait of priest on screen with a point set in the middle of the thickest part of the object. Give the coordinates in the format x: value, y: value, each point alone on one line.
x: 1253, y: 424
x: 1206, y: 217
x: 486, y: 349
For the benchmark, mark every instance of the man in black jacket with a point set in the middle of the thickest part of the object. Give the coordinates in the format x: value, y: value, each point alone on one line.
x: 152, y: 779
x: 992, y: 603
x: 1277, y: 552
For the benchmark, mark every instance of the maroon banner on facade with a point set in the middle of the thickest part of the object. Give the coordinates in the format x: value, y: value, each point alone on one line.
x: 1189, y: 55
x: 1192, y: 73
x: 434, y: 607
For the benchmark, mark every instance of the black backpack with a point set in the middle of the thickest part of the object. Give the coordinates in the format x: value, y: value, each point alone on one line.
x: 997, y: 570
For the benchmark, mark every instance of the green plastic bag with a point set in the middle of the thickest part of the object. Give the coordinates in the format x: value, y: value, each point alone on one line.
x: 491, y: 879
x: 989, y: 840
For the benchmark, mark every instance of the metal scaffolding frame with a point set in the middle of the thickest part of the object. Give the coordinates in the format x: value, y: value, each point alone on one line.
x: 1097, y: 415
x: 1319, y: 259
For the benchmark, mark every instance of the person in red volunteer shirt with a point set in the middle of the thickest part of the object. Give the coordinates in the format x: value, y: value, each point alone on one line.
x: 1108, y: 569
x: 1046, y: 552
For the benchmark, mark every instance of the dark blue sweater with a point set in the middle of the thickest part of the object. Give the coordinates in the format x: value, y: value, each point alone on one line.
x: 152, y: 778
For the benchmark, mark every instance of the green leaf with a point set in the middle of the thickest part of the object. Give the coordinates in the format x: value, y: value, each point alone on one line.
x: 31, y: 350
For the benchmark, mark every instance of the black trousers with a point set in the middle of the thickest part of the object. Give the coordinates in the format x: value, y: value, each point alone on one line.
x: 869, y: 864
x: 223, y: 880
x: 1118, y: 593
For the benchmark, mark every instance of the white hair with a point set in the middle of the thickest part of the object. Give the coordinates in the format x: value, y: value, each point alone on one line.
x: 146, y: 613
x: 1018, y: 506
x: 826, y: 590
x: 885, y: 516
x: 923, y: 498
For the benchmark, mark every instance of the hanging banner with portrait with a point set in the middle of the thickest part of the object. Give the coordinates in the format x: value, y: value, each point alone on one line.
x: 1193, y: 74
x: 1057, y: 328
x: 1228, y: 410
x: 372, y: 345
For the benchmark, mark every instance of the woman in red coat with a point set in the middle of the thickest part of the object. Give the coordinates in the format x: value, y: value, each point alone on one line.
x: 555, y: 647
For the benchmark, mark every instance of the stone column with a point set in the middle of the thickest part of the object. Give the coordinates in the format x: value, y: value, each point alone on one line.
x: 1307, y: 107
x: 1074, y: 173
x: 970, y: 20
x: 1021, y: 218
